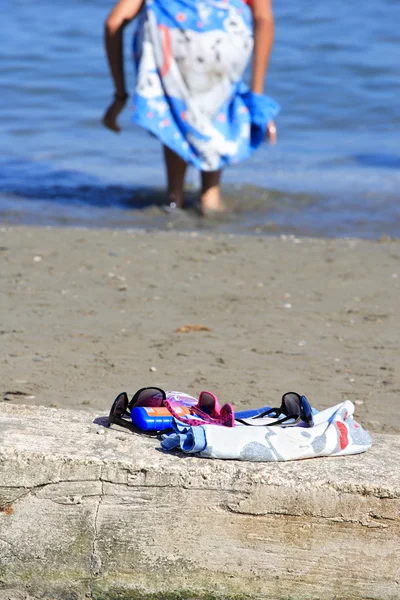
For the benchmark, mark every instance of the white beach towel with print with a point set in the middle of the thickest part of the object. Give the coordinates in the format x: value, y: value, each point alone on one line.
x: 335, y: 433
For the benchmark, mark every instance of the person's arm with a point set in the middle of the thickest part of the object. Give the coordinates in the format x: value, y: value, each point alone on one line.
x: 122, y: 13
x: 264, y: 29
x: 263, y: 20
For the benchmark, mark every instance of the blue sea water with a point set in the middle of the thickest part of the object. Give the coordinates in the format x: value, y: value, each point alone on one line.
x: 335, y: 170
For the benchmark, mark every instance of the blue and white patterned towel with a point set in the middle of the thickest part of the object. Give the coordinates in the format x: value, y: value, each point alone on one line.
x: 190, y: 57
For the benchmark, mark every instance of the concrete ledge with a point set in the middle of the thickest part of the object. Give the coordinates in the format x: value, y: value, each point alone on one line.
x: 91, y: 512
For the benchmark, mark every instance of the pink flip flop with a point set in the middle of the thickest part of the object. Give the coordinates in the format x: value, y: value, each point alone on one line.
x: 208, y: 403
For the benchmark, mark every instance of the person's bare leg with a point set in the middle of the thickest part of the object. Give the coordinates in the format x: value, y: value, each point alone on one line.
x: 210, y: 191
x: 176, y: 170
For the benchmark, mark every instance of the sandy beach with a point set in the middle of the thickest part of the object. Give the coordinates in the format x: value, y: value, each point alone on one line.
x: 86, y: 314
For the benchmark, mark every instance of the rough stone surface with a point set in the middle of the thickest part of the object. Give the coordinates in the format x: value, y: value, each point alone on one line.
x: 92, y: 512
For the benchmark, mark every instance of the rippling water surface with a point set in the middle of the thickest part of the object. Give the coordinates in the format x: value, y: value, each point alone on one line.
x: 335, y: 170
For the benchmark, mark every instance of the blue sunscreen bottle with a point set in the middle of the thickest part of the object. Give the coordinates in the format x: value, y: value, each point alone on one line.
x: 149, y: 418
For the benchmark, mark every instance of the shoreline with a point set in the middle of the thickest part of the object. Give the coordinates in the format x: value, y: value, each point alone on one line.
x: 88, y: 313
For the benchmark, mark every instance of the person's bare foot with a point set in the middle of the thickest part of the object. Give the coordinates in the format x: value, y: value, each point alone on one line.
x: 173, y: 203
x: 210, y: 192
x: 213, y: 210
x: 176, y: 170
x: 211, y: 201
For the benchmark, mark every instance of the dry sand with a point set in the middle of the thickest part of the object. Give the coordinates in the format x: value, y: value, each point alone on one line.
x: 86, y: 314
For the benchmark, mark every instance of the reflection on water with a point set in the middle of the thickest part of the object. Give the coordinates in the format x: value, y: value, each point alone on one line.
x: 383, y: 161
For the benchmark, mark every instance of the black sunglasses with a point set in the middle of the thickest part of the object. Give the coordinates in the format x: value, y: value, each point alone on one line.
x: 294, y: 408
x: 148, y: 396
x: 122, y: 406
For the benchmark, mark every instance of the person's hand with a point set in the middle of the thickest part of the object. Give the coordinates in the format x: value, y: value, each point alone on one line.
x: 112, y: 112
x: 271, y: 132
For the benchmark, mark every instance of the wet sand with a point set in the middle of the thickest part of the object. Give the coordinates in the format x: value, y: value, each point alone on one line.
x: 86, y: 314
